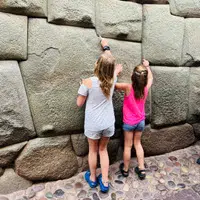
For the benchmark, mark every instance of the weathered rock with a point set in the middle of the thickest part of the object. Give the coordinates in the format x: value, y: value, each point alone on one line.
x: 47, y: 159
x: 11, y: 182
x: 117, y: 19
x: 1, y: 171
x: 150, y: 1
x: 69, y: 12
x: 113, y: 147
x: 52, y: 74
x: 194, y: 95
x: 161, y: 44
x: 15, y: 118
x: 167, y: 139
x: 35, y: 8
x: 80, y: 144
x: 13, y: 39
x: 191, y: 46
x: 186, y: 8
x: 83, y: 163
x: 196, y: 128
x: 169, y: 95
x: 9, y: 153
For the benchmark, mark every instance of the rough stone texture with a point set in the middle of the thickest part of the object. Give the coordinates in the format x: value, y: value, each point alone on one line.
x: 47, y: 159
x: 169, y: 95
x: 117, y: 19
x: 69, y: 12
x: 35, y: 8
x: 52, y: 74
x: 194, y: 95
x: 8, y: 154
x: 11, y: 182
x: 149, y: 1
x: 1, y: 171
x: 113, y: 147
x: 187, y: 194
x: 13, y: 40
x: 80, y: 144
x: 191, y: 46
x: 15, y: 119
x: 196, y: 128
x: 165, y: 140
x: 83, y: 163
x: 162, y: 45
x: 186, y: 8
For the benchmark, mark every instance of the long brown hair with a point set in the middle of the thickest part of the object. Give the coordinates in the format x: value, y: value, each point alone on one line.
x: 104, y: 70
x: 139, y: 81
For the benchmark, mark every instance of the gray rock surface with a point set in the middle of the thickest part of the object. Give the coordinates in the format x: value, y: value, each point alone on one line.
x: 15, y: 118
x: 9, y: 153
x: 11, y: 182
x: 80, y: 144
x: 52, y: 73
x: 169, y: 95
x: 1, y: 171
x: 117, y: 19
x: 165, y: 140
x: 49, y: 158
x: 13, y: 40
x: 186, y: 8
x: 194, y: 95
x: 150, y: 1
x: 162, y: 45
x: 191, y: 46
x: 113, y: 147
x: 69, y: 12
x: 196, y: 128
x: 35, y: 8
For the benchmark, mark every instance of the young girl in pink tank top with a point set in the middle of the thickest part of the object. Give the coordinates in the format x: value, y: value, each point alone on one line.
x: 134, y: 116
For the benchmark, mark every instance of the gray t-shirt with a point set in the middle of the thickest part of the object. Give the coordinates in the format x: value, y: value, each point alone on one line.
x: 99, y: 112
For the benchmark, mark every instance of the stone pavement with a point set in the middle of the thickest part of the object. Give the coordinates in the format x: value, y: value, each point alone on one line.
x: 171, y: 176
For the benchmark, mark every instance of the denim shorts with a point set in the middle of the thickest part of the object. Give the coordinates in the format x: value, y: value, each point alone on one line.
x: 136, y: 127
x: 96, y: 135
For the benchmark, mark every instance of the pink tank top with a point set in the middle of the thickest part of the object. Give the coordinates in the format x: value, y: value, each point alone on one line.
x: 133, y: 109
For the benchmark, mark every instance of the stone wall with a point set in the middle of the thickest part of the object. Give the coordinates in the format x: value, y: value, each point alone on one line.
x: 47, y: 46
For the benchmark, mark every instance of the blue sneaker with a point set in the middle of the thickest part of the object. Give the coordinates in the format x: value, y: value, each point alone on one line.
x: 198, y: 161
x: 103, y: 188
x: 92, y: 184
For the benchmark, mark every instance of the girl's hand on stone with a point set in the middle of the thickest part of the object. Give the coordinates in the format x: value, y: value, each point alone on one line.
x: 104, y: 42
x: 145, y: 63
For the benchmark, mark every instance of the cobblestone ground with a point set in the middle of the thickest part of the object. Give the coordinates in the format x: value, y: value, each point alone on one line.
x: 173, y: 176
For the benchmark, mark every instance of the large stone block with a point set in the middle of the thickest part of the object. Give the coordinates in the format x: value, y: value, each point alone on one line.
x: 49, y: 158
x: 191, y: 48
x: 80, y: 144
x: 186, y: 8
x: 11, y: 182
x: 167, y: 139
x: 117, y: 19
x: 15, y: 118
x: 69, y: 12
x: 194, y: 95
x: 196, y: 128
x: 113, y: 147
x: 162, y: 45
x: 35, y: 8
x: 169, y: 95
x: 52, y: 73
x: 9, y: 154
x: 13, y: 40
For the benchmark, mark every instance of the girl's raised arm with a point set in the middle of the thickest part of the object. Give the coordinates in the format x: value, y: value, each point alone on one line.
x: 150, y: 75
